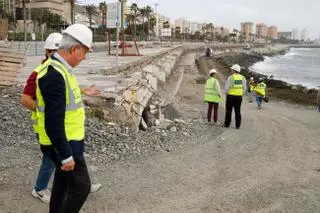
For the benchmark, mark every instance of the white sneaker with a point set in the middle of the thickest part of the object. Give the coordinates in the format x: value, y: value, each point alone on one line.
x: 95, y: 187
x: 43, y: 195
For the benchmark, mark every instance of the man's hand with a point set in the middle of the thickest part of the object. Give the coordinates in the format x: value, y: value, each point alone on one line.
x: 69, y: 166
x: 91, y: 91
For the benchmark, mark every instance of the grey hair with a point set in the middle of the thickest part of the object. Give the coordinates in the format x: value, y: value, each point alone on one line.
x: 68, y: 42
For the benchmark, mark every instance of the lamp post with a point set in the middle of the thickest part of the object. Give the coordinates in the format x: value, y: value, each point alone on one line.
x: 157, y: 20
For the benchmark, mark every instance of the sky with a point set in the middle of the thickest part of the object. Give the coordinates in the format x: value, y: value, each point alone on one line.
x: 285, y: 14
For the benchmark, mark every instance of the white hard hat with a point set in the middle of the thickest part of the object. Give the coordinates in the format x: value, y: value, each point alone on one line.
x: 81, y: 33
x: 260, y: 79
x: 52, y: 42
x: 236, y: 67
x: 212, y: 71
x: 251, y: 78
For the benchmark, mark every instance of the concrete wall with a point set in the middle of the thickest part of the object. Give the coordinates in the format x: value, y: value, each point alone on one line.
x: 143, y: 80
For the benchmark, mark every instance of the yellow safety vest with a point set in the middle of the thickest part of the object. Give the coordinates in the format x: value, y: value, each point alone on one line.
x: 260, y: 89
x: 74, y: 115
x: 251, y: 85
x: 236, y: 85
x: 33, y: 113
x: 210, y: 92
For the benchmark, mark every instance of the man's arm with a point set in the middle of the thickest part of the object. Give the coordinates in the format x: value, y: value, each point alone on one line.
x: 29, y: 93
x: 28, y: 102
x: 227, y: 85
x: 53, y: 90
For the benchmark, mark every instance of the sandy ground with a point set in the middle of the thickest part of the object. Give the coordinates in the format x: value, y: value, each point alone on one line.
x: 271, y: 164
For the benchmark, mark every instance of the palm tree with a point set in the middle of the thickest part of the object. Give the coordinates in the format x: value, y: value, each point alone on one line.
x: 103, y: 10
x: 143, y: 14
x: 148, y: 12
x: 91, y: 11
x: 134, y: 13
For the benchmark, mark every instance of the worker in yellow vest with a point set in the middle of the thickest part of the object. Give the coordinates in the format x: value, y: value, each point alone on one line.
x: 260, y: 91
x: 61, y: 117
x: 251, y: 89
x: 235, y: 87
x: 212, y: 95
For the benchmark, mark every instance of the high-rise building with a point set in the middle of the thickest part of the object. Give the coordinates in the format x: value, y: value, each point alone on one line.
x: 247, y: 30
x: 182, y: 24
x: 273, y: 32
x: 261, y: 30
x: 295, y: 34
x: 60, y: 7
x: 304, y: 34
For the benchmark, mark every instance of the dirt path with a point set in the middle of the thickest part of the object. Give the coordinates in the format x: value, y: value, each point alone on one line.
x: 271, y: 164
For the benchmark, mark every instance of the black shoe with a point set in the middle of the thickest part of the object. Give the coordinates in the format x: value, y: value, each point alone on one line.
x: 225, y: 126
x: 238, y: 127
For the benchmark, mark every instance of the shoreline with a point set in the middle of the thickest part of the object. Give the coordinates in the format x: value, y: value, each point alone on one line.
x: 277, y: 89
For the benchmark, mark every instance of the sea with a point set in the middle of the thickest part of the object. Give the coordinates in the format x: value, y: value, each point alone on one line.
x: 297, y: 66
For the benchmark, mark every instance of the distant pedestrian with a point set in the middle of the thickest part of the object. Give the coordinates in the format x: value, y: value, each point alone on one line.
x: 208, y: 52
x: 260, y: 91
x: 61, y: 119
x: 212, y: 95
x: 250, y: 89
x: 318, y: 99
x: 234, y: 88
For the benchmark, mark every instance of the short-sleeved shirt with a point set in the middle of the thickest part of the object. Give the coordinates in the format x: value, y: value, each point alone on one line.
x: 30, y: 88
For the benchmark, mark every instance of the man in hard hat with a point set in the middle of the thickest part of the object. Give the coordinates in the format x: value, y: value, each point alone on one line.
x: 260, y: 91
x: 61, y: 116
x: 234, y: 88
x: 28, y: 100
x: 212, y: 95
x: 250, y: 89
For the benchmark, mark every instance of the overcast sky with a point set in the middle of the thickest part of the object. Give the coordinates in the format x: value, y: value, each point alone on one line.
x: 285, y: 14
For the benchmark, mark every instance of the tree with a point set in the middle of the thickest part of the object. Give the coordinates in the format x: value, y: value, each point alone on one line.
x: 134, y: 15
x: 8, y: 16
x: 103, y: 10
x: 91, y: 11
x: 148, y: 11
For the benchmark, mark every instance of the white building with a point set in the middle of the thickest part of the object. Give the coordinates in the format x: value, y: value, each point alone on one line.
x: 304, y: 34
x: 295, y: 34
x: 183, y: 24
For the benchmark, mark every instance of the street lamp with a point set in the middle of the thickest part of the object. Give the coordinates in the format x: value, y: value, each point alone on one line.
x: 157, y: 20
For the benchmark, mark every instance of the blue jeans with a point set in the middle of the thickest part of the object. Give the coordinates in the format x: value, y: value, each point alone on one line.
x: 46, y: 169
x: 259, y: 100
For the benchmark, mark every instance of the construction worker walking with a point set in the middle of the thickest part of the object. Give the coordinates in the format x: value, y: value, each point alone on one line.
x: 260, y: 91
x: 28, y: 100
x: 234, y: 88
x: 318, y: 99
x: 251, y: 89
x: 212, y: 95
x: 61, y: 116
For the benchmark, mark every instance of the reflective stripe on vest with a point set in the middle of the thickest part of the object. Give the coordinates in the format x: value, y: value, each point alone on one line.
x: 210, y: 92
x: 260, y: 89
x: 74, y: 114
x: 236, y: 85
x: 34, y: 119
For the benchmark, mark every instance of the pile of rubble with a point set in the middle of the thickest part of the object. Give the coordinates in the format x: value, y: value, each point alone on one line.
x: 105, y: 141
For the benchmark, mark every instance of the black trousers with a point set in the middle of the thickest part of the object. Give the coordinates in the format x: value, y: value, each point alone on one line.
x: 214, y: 106
x: 70, y: 188
x: 233, y: 102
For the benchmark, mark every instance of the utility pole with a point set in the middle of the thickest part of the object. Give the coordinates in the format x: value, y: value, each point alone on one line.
x: 24, y: 23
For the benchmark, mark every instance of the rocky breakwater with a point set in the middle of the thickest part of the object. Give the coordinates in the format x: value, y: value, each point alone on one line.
x: 127, y: 106
x: 277, y: 88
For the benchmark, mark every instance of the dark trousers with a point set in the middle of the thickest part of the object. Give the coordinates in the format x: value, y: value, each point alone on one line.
x: 70, y: 188
x: 233, y: 102
x: 214, y: 106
